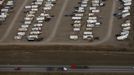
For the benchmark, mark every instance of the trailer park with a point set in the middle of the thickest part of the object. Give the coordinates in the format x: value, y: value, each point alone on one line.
x: 87, y: 22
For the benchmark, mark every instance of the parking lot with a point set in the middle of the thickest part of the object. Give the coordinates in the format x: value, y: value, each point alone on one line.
x: 68, y: 22
x: 99, y: 31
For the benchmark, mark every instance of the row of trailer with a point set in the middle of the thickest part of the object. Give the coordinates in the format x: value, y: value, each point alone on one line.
x: 92, y: 21
x: 124, y: 9
x: 125, y: 13
x: 33, y: 23
x: 6, y: 10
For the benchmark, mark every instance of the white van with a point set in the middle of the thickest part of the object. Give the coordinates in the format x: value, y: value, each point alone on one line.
x: 74, y: 37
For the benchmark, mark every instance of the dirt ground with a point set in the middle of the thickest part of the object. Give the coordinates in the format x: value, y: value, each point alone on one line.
x: 65, y: 57
x: 64, y: 29
x: 23, y: 54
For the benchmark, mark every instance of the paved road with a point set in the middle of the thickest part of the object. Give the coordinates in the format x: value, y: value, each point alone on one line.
x: 44, y: 68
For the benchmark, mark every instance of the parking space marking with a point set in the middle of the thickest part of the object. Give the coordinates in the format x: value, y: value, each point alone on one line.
x: 13, y: 21
x: 108, y: 35
x: 110, y: 27
x: 58, y: 22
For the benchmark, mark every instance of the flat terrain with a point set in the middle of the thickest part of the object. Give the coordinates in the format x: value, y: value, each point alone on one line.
x: 58, y: 29
x: 56, y: 48
x: 66, y: 58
